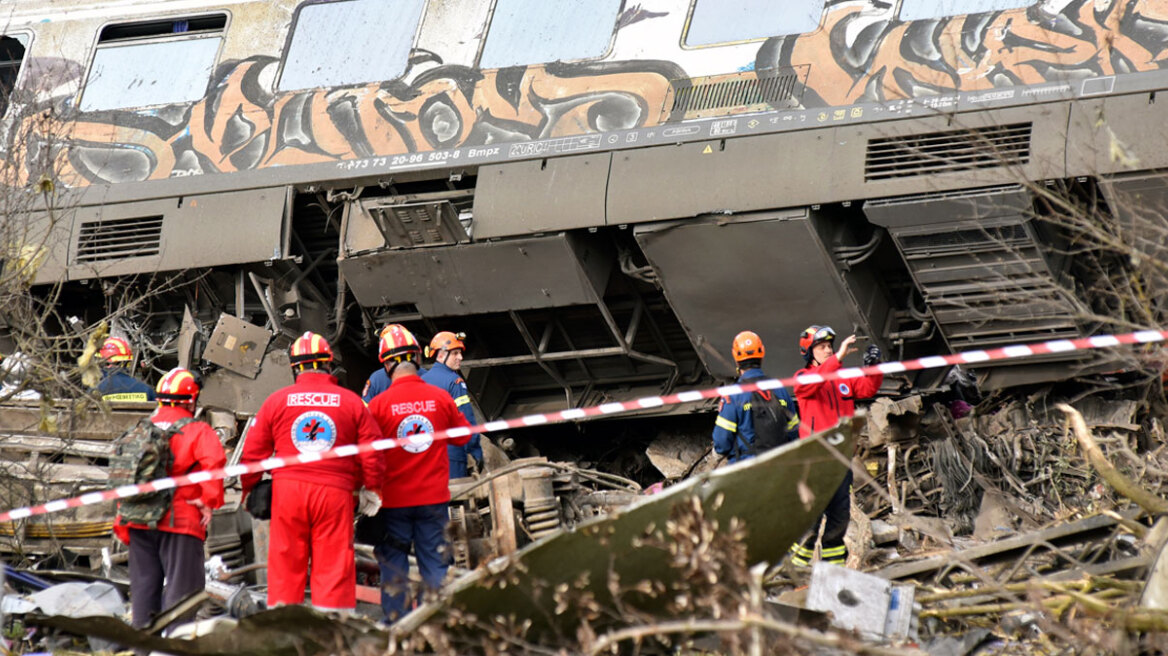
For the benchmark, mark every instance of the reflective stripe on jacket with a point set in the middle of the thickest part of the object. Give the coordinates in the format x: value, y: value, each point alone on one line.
x: 734, y: 427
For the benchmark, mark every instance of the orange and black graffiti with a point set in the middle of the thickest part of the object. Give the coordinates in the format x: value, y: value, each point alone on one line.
x: 860, y: 57
x: 861, y: 54
x: 241, y: 125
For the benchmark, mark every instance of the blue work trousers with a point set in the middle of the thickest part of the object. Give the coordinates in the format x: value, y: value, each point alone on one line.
x: 422, y: 527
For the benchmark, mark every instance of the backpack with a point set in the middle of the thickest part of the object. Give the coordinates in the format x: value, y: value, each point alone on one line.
x: 142, y: 454
x: 770, y: 417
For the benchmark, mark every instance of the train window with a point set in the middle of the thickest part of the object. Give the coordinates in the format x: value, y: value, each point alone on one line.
x: 925, y: 9
x: 153, y: 63
x: 11, y: 55
x: 350, y: 42
x: 538, y: 31
x: 728, y: 21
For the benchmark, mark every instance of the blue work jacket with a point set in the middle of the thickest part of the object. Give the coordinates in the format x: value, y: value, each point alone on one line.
x: 379, y: 382
x: 450, y: 380
x: 117, y: 385
x: 734, y: 427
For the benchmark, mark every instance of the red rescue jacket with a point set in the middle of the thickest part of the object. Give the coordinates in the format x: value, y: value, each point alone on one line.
x: 196, y: 448
x: 417, y: 474
x: 312, y: 415
x: 822, y: 405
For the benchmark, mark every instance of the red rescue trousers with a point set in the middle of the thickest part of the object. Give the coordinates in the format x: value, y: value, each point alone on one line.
x: 311, y: 522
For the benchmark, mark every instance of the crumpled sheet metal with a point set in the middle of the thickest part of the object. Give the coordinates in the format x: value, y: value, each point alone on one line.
x: 92, y: 599
x: 284, y: 631
x: 777, y: 495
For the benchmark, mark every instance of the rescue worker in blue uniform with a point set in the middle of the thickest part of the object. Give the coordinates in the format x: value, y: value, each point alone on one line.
x: 117, y: 385
x: 379, y: 380
x: 447, y: 348
x: 734, y: 434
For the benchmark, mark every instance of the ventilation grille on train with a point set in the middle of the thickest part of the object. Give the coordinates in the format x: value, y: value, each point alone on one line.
x: 717, y: 95
x: 944, y: 152
x: 119, y: 238
x: 735, y: 93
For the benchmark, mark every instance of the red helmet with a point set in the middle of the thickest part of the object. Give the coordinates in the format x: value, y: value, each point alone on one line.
x: 308, y: 349
x: 178, y: 386
x: 814, y: 335
x: 398, y: 344
x: 445, y: 340
x: 747, y: 346
x: 116, y: 349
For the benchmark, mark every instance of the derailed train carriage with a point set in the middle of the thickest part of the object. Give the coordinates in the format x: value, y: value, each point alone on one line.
x: 600, y: 193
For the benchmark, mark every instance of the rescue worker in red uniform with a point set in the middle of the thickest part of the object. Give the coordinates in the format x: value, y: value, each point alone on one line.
x: 416, y: 493
x: 166, y: 562
x: 312, y: 504
x: 821, y: 406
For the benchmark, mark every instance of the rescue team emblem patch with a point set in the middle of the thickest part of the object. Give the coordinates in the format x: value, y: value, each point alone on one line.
x: 844, y: 389
x: 313, y: 432
x: 417, y: 432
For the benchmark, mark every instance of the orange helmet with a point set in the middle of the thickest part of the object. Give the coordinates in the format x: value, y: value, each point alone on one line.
x: 814, y: 335
x: 179, y: 386
x: 747, y: 346
x: 310, y: 348
x: 116, y: 349
x: 445, y: 340
x: 398, y: 344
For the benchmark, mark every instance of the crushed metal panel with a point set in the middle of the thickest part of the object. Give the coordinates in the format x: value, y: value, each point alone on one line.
x: 359, y: 232
x: 502, y: 276
x: 766, y: 273
x: 413, y: 224
x: 541, y: 196
x: 225, y: 389
x: 237, y: 345
x: 186, y: 338
x: 178, y: 233
x: 806, y: 469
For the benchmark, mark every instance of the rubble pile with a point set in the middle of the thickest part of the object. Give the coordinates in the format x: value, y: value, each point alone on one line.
x: 1024, y: 524
x: 1010, y: 465
x: 1012, y: 534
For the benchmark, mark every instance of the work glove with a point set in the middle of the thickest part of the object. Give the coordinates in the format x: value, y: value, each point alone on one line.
x: 368, y: 502
x: 872, y: 355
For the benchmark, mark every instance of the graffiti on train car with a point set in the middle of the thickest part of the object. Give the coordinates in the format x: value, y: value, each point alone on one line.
x: 860, y: 57
x: 242, y: 125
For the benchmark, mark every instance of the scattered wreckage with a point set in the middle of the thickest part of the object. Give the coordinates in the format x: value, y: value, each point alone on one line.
x: 630, y: 544
x: 991, y: 530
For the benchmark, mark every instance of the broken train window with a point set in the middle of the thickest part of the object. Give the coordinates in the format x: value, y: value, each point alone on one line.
x: 537, y: 31
x: 732, y: 21
x: 159, y: 62
x: 12, y: 49
x: 350, y: 42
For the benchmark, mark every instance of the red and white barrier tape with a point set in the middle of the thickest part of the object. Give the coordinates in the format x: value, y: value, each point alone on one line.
x: 607, y: 409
